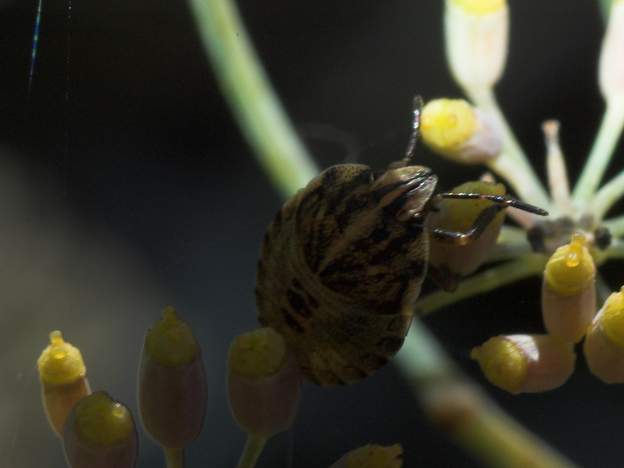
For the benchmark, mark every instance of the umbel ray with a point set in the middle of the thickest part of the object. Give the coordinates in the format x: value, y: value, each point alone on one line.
x: 344, y: 259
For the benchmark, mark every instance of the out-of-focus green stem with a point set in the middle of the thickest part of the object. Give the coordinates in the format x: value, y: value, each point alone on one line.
x: 252, y: 451
x: 512, y: 164
x: 607, y: 196
x: 616, y: 226
x: 256, y: 107
x: 489, y: 434
x: 600, y: 154
x: 462, y: 410
x: 605, y: 7
x: 174, y: 457
x: 488, y: 280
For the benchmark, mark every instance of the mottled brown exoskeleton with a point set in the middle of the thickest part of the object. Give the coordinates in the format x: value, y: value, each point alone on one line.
x: 344, y: 259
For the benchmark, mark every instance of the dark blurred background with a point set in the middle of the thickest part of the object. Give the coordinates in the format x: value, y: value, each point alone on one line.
x: 126, y: 186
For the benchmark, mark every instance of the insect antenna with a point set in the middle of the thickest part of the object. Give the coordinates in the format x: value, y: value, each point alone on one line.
x: 498, y: 199
x: 417, y: 106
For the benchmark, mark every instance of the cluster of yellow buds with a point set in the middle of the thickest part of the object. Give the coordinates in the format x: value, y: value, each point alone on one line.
x: 99, y: 432
x: 535, y: 363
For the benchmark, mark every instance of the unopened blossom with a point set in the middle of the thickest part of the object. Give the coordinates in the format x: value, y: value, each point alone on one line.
x: 525, y: 363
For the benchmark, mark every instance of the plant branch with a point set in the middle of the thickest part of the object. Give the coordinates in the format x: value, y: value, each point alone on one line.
x: 488, y: 280
x: 490, y: 435
x: 615, y: 226
x: 601, y: 152
x: 607, y: 196
x: 512, y: 164
x: 465, y: 413
x: 244, y: 84
x: 174, y: 458
x: 252, y: 451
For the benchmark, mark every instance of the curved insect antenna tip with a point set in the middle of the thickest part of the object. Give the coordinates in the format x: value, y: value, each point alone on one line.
x: 417, y: 106
x: 499, y: 199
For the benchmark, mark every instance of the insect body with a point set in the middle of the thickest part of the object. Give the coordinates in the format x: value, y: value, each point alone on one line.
x: 343, y: 262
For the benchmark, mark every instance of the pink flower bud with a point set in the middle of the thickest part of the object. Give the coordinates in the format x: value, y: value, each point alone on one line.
x: 525, y: 363
x: 100, y: 433
x: 172, y: 383
x: 604, y: 344
x: 264, y: 383
x: 569, y: 291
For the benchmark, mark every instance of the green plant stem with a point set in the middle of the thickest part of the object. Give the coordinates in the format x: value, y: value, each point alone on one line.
x: 605, y: 7
x: 252, y: 451
x: 616, y: 226
x: 257, y: 109
x: 490, y: 435
x: 600, y: 154
x: 512, y: 164
x: 488, y: 280
x: 607, y: 196
x: 615, y: 251
x: 462, y: 410
x: 174, y: 458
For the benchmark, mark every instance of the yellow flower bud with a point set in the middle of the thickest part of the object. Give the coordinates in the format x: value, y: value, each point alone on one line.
x: 525, y: 363
x: 604, y: 344
x: 264, y: 383
x: 480, y: 7
x: 172, y: 383
x: 571, y: 268
x: 569, y: 291
x: 460, y: 215
x: 372, y: 456
x: 476, y: 41
x: 454, y: 129
x: 62, y: 374
x: 100, y: 433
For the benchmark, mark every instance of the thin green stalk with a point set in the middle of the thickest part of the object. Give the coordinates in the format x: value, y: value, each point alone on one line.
x: 488, y: 280
x: 174, y: 458
x: 252, y: 451
x: 465, y: 413
x: 605, y: 7
x: 601, y: 152
x: 615, y: 251
x: 512, y: 243
x: 615, y: 226
x: 512, y: 164
x: 607, y: 196
x: 489, y: 434
x: 245, y: 85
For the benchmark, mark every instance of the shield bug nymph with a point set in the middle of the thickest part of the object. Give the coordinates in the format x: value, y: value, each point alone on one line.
x: 344, y: 259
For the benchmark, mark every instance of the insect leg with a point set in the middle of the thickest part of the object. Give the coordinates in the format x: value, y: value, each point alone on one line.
x: 472, y: 234
x: 498, y: 199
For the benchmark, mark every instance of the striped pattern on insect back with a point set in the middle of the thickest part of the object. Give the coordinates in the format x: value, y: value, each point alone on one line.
x: 327, y: 207
x: 337, y: 277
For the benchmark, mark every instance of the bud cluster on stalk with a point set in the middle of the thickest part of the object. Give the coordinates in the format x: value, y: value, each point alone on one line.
x: 536, y: 363
x: 97, y: 432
